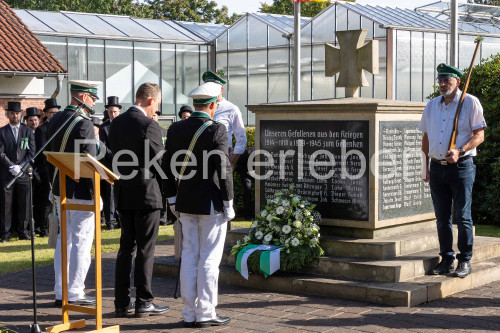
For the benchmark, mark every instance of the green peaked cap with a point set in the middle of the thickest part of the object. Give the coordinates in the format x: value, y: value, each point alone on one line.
x: 209, y: 76
x: 85, y: 86
x: 445, y: 70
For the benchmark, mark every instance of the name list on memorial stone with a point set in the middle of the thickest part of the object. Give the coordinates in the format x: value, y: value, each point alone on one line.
x: 337, y: 180
x: 401, y: 190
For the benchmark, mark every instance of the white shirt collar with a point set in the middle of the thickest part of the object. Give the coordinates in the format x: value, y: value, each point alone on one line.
x: 138, y: 107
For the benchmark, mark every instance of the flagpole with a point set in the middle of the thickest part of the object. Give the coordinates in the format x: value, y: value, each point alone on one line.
x: 296, y: 53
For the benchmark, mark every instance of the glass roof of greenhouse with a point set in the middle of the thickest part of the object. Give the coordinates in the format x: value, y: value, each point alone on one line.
x: 280, y: 22
x: 120, y: 27
x: 471, y: 17
x: 207, y: 31
x: 395, y: 16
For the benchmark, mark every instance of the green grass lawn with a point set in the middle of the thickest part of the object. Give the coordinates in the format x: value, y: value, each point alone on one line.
x: 16, y: 254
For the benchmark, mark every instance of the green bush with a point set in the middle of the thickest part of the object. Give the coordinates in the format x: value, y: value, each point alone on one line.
x: 485, y: 85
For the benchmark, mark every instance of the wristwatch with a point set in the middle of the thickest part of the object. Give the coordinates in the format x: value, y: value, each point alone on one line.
x: 462, y: 152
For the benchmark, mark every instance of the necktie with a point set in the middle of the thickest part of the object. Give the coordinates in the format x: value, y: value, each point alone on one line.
x: 15, y: 133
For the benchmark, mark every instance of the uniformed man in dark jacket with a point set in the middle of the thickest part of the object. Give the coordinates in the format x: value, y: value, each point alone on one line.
x: 203, y: 199
x: 80, y: 223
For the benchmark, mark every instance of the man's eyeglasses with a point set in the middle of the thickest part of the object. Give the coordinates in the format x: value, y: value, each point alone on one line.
x: 443, y: 80
x: 93, y: 97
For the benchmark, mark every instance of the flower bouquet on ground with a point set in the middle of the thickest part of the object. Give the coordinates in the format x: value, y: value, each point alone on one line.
x: 289, y: 222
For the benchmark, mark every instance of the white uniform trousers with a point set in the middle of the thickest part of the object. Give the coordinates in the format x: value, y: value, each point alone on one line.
x: 80, y: 235
x: 202, y: 248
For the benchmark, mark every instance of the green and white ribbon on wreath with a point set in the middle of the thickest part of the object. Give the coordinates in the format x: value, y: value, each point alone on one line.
x: 269, y: 259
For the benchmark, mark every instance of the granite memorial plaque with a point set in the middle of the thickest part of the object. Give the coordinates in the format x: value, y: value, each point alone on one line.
x: 326, y: 160
x: 401, y: 190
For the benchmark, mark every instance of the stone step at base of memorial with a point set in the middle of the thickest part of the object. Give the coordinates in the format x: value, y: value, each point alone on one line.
x: 367, y: 248
x: 406, y: 294
x: 398, y: 269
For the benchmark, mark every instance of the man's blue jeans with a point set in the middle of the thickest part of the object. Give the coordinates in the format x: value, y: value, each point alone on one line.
x: 451, y: 185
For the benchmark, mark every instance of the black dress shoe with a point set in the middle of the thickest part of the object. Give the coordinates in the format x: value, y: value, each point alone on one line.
x: 110, y: 226
x: 150, y: 310
x: 189, y: 324
x: 123, y: 312
x: 463, y: 269
x: 217, y: 321
x: 442, y: 268
x: 5, y: 239
x: 24, y: 237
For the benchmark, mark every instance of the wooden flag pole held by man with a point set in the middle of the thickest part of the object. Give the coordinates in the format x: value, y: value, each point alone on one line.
x: 454, y: 133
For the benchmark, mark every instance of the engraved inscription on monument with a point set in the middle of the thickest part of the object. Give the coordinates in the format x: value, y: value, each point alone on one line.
x: 327, y: 161
x: 401, y: 190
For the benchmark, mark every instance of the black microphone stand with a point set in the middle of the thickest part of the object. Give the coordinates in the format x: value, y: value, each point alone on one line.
x: 27, y: 169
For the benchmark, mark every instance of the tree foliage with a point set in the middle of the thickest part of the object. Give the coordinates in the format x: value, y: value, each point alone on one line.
x: 191, y: 10
x: 180, y: 10
x: 485, y: 84
x: 285, y: 7
x: 116, y: 7
x: 486, y: 2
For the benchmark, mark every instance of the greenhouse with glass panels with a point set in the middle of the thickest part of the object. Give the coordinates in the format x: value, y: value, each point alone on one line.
x: 256, y: 52
x: 124, y: 52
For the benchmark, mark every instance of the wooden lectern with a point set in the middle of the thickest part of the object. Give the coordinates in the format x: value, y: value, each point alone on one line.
x: 79, y: 166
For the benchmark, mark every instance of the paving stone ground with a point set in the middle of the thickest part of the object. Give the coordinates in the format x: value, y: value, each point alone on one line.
x: 476, y: 310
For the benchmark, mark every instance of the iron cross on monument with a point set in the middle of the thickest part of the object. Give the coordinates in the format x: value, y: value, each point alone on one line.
x: 351, y: 59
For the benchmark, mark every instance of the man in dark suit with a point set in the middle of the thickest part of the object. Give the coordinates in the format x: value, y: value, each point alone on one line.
x: 113, y: 108
x: 80, y: 224
x: 32, y: 118
x: 135, y: 135
x: 17, y: 146
x: 203, y: 200
x: 41, y: 195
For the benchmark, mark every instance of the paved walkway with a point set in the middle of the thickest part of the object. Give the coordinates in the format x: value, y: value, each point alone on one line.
x: 476, y: 310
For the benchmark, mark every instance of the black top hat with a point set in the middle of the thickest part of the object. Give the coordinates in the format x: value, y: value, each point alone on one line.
x: 113, y: 101
x: 185, y: 108
x: 14, y: 106
x: 51, y: 103
x: 96, y: 121
x: 33, y: 112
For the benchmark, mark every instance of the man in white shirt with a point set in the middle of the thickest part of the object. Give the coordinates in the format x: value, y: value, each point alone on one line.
x: 230, y: 115
x: 452, y: 171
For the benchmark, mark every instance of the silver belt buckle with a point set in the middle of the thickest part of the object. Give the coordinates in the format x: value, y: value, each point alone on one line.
x: 443, y: 162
